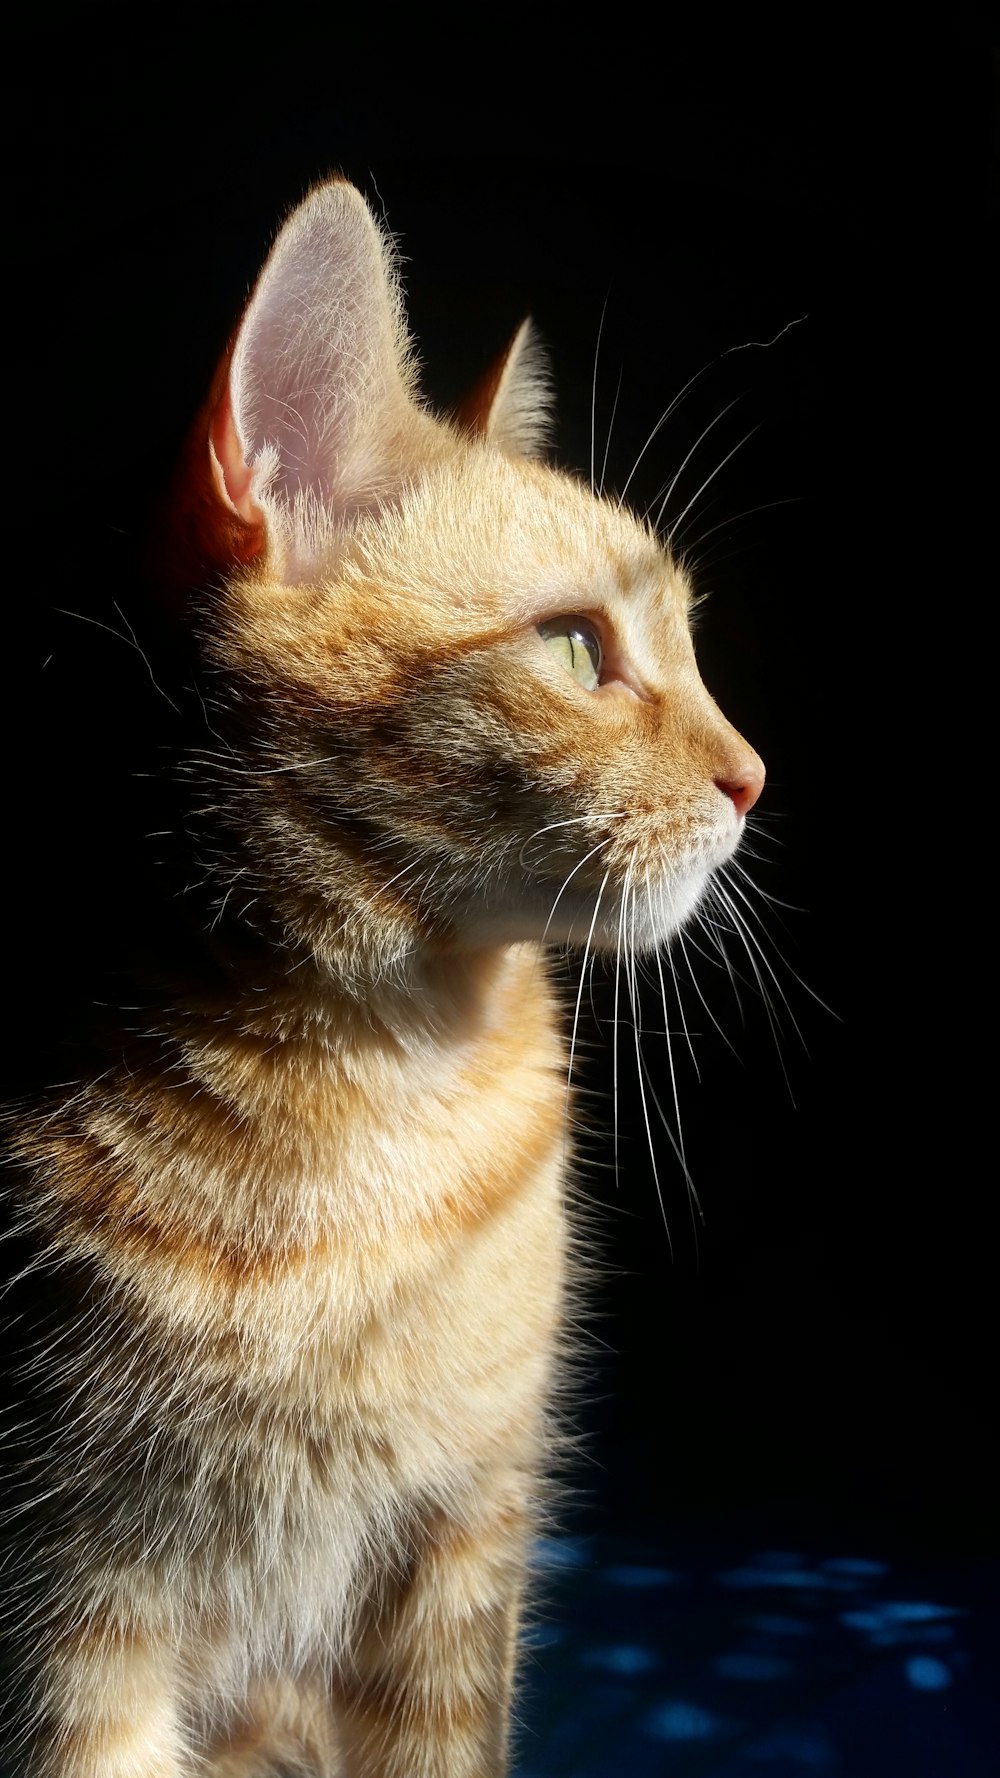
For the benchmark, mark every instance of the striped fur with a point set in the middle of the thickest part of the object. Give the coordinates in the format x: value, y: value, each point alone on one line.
x: 296, y: 1247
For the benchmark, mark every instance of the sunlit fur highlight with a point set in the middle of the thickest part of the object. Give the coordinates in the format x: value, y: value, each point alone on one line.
x: 303, y: 1238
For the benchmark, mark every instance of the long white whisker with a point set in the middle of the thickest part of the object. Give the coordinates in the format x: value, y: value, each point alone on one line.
x: 693, y: 1198
x: 675, y: 478
x: 670, y: 1048
x: 752, y: 914
x: 697, y: 988
x: 633, y: 988
x: 571, y: 821
x: 607, y: 442
x: 745, y: 345
x: 661, y: 422
x: 679, y: 999
x: 748, y: 513
x: 583, y: 972
x: 752, y: 946
x: 593, y: 396
x: 763, y: 345
x: 566, y: 883
x: 614, y: 1027
x: 131, y: 641
x: 755, y: 916
x: 671, y: 534
x: 774, y: 901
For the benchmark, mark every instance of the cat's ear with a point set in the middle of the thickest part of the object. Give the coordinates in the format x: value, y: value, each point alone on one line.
x: 512, y: 404
x: 309, y: 416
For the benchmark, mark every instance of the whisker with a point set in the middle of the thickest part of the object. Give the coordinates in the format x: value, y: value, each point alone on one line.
x: 671, y: 485
x: 590, y: 820
x: 131, y: 641
x: 748, y: 513
x: 607, y: 442
x: 754, y: 951
x: 693, y: 1198
x: 588, y: 855
x: 753, y: 914
x: 744, y: 346
x: 697, y: 988
x: 640, y: 1066
x: 583, y: 972
x: 614, y: 1026
x: 734, y: 864
x: 670, y: 1048
x: 706, y: 483
x: 593, y: 396
x: 661, y: 422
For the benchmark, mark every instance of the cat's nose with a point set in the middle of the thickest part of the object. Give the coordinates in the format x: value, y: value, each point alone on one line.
x: 744, y: 789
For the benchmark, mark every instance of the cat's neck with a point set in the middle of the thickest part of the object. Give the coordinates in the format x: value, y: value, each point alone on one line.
x: 299, y: 1068
x: 429, y: 998
x: 429, y: 1001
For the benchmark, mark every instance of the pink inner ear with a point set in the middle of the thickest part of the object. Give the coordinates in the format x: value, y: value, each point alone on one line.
x: 229, y: 467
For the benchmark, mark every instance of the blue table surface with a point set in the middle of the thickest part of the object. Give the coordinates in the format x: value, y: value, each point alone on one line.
x: 744, y: 1662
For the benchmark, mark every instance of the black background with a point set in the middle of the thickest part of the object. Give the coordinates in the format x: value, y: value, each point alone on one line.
x: 820, y: 1355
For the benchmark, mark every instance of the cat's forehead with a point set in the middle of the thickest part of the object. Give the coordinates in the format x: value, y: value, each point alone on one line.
x: 512, y: 541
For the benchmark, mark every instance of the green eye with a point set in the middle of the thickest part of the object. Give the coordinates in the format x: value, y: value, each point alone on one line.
x: 576, y: 644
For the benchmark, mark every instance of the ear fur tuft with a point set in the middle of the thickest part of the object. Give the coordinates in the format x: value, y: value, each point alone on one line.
x: 512, y: 404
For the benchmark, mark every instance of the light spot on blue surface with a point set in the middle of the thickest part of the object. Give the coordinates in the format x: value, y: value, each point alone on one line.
x: 927, y: 1674
x: 860, y: 1566
x: 632, y: 1575
x: 773, y: 1577
x: 772, y: 1624
x: 681, y: 1722
x: 622, y: 1658
x: 742, y: 1665
x: 895, y: 1613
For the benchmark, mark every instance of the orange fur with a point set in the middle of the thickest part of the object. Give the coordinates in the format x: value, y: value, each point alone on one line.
x: 303, y: 1230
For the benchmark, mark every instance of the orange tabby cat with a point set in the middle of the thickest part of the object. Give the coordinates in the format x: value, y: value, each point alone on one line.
x: 297, y: 1248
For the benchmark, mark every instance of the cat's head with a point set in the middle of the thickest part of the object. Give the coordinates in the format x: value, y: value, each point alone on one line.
x: 461, y: 690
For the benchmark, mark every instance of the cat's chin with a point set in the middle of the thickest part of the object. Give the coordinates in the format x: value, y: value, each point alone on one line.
x: 643, y: 922
x: 639, y: 922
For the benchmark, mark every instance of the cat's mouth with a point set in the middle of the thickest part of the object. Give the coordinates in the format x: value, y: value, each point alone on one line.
x: 630, y: 898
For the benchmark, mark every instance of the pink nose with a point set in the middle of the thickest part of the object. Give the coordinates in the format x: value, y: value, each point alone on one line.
x: 744, y: 790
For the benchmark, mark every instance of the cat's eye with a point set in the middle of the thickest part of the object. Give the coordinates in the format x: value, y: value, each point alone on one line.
x: 577, y: 646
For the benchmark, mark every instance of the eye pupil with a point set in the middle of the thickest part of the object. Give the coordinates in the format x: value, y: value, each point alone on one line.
x: 577, y: 646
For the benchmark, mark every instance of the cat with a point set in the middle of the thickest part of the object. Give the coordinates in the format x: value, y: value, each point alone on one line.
x: 295, y: 1247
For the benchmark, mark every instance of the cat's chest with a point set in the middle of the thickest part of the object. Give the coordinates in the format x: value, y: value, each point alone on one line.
x: 362, y: 1236
x: 347, y: 1280
x: 409, y: 1330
